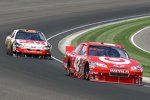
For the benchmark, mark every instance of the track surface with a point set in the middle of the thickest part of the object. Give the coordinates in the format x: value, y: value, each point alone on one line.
x: 142, y: 39
x: 34, y: 79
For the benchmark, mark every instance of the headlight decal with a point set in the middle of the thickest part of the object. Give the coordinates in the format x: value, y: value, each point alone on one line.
x: 18, y: 45
x: 134, y: 68
x: 46, y: 47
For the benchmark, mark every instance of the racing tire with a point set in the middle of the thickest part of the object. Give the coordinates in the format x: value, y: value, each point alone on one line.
x: 68, y: 69
x: 86, y: 72
x: 11, y: 51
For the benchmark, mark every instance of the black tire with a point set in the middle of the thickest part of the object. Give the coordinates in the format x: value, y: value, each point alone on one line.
x: 68, y: 69
x: 86, y: 72
x: 48, y: 57
x: 11, y: 51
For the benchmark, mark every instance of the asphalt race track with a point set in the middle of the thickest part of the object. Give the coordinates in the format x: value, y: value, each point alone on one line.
x: 36, y: 79
x: 142, y: 39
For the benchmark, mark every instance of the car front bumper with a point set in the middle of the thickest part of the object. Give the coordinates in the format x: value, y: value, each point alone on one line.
x: 32, y: 51
x: 123, y: 78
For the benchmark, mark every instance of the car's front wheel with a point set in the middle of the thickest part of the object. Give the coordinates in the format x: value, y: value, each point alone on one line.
x: 86, y: 72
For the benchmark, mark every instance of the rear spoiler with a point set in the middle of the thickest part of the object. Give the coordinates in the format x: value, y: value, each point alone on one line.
x: 70, y: 48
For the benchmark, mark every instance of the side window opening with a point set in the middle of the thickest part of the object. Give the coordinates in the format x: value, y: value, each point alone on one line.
x: 12, y: 35
x: 83, y: 50
x: 77, y: 49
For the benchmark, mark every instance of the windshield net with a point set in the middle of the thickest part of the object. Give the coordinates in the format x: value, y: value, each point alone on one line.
x: 107, y: 51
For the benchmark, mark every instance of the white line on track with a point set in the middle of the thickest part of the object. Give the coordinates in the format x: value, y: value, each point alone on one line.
x: 96, y: 23
x: 147, y: 86
x: 57, y: 59
x: 132, y: 39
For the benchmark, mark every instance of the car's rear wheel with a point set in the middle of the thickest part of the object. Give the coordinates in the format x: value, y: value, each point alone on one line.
x: 86, y: 72
x: 68, y: 68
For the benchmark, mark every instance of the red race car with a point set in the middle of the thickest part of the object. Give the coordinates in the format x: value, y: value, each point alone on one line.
x: 23, y: 42
x: 102, y: 62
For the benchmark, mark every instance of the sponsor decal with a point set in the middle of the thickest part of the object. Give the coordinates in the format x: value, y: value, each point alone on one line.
x: 33, y: 46
x: 119, y: 66
x: 32, y: 42
x: 119, y: 61
x: 119, y: 71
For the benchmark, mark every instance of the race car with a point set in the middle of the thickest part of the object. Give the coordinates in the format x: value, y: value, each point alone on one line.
x: 102, y: 62
x: 24, y: 42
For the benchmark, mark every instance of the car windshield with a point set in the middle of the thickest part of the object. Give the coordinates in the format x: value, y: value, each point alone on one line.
x: 107, y: 51
x: 30, y: 36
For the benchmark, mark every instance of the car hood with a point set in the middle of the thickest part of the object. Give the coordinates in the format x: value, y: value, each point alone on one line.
x: 114, y: 62
x: 31, y: 42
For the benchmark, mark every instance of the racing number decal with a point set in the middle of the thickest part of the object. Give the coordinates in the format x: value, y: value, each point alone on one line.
x: 114, y: 60
x: 76, y: 63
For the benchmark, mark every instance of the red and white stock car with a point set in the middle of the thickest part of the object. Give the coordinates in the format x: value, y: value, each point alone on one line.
x: 28, y: 43
x: 102, y: 62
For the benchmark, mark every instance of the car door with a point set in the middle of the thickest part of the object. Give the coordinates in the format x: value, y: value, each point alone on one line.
x: 74, y: 57
x: 80, y: 59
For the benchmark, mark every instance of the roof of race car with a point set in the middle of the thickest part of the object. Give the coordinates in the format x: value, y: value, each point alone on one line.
x: 103, y: 44
x: 27, y: 30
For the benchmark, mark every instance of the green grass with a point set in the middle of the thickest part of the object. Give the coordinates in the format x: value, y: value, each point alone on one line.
x: 120, y: 33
